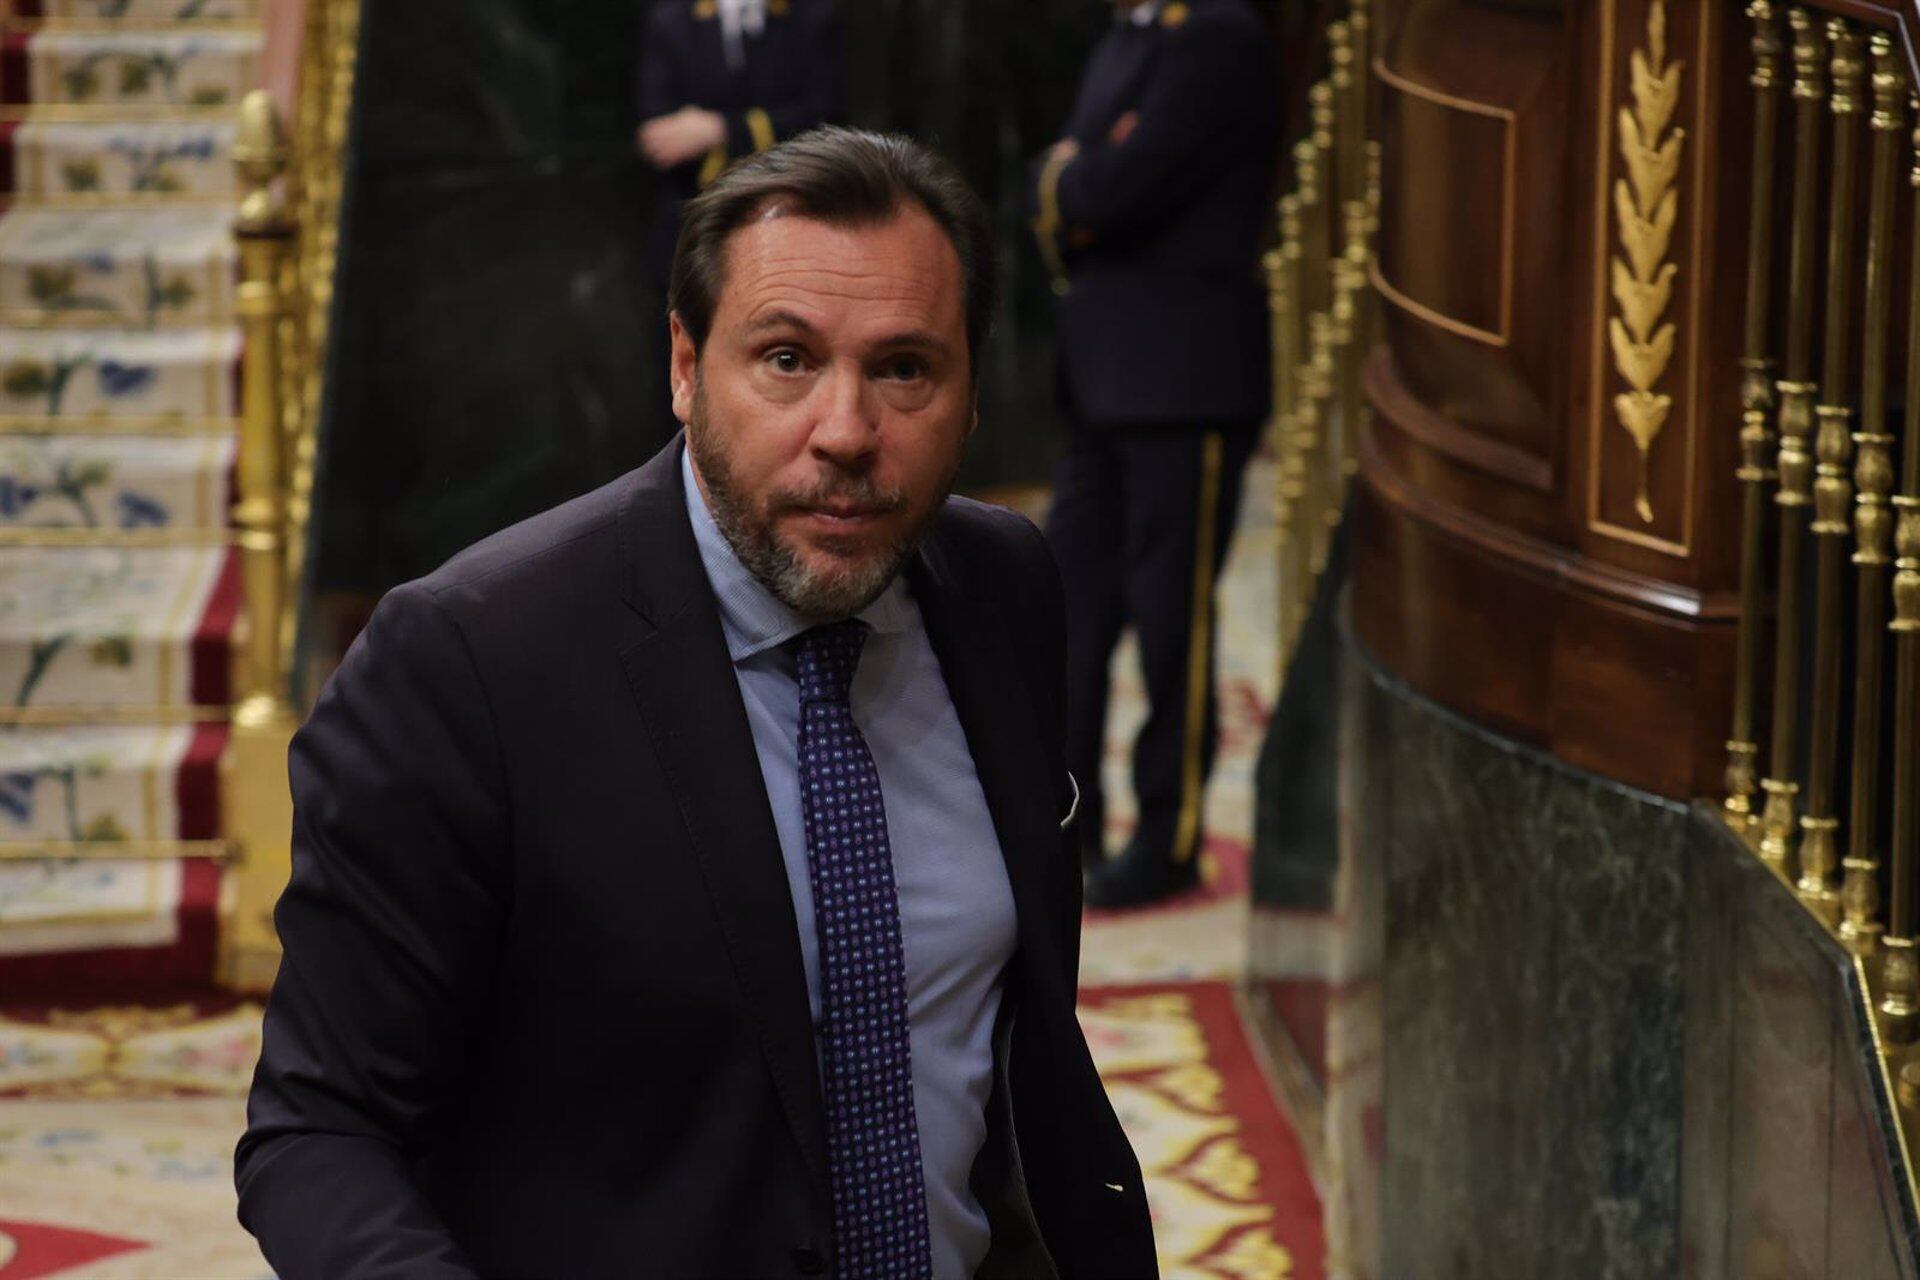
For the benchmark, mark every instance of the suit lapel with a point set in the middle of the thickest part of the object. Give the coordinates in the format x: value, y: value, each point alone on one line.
x: 996, y: 713
x: 686, y: 690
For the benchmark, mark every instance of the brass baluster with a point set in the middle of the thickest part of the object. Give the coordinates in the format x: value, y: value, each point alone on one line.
x: 1900, y: 975
x: 1281, y: 301
x: 1308, y: 424
x: 259, y: 808
x: 1872, y: 519
x: 1833, y: 483
x: 1796, y: 422
x: 1340, y: 80
x: 1287, y: 376
x: 1337, y: 462
x: 1340, y: 187
x: 1360, y: 25
x: 1328, y: 446
x: 1283, y: 263
x: 1756, y: 402
x: 1369, y: 299
x: 1317, y: 200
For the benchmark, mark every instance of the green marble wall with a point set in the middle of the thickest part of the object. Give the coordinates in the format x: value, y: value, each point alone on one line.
x: 496, y: 334
x: 1613, y: 1045
x: 1531, y: 1005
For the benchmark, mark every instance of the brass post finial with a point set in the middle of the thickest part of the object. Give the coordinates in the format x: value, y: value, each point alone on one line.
x: 1809, y: 55
x: 261, y: 154
x: 1340, y: 54
x: 1766, y: 44
x: 1320, y: 110
x: 1889, y: 84
x: 1849, y: 67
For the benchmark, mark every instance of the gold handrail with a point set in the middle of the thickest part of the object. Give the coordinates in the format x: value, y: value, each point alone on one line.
x: 1860, y: 520
x: 1320, y: 294
x: 288, y: 230
x: 1757, y: 405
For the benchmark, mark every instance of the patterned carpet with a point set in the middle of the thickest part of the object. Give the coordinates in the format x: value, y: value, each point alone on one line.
x: 119, y: 585
x: 117, y: 1125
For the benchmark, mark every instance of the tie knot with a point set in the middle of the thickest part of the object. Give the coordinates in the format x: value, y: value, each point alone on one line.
x: 826, y: 657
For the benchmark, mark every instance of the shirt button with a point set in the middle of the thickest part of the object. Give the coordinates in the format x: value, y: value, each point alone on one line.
x: 809, y: 1261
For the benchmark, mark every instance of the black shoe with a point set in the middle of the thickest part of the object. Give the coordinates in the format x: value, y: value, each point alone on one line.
x: 1138, y: 878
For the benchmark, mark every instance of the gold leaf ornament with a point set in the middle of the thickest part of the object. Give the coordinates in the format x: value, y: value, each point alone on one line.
x: 1642, y: 305
x: 1646, y: 205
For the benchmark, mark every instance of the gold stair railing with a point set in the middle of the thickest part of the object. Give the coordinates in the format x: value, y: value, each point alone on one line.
x: 288, y: 230
x: 1820, y: 444
x: 1324, y: 320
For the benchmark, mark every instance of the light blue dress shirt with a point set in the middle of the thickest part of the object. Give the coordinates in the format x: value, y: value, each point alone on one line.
x: 956, y: 906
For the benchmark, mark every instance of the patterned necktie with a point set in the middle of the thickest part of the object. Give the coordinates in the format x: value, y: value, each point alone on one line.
x: 873, y: 1141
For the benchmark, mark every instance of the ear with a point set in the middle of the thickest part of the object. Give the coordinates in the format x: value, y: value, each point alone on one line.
x: 683, y: 362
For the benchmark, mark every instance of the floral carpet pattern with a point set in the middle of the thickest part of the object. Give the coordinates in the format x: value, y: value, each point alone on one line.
x: 119, y: 587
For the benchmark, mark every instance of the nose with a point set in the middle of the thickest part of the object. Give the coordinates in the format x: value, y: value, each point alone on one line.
x: 847, y: 431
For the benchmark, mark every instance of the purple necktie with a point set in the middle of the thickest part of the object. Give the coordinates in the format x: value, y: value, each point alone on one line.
x: 873, y: 1141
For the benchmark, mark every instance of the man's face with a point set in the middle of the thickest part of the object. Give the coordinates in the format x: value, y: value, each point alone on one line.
x: 828, y: 413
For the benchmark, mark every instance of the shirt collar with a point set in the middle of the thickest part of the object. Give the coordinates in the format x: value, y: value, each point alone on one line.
x: 752, y: 617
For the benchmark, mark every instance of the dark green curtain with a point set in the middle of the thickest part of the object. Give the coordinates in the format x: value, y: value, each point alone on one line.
x: 495, y: 331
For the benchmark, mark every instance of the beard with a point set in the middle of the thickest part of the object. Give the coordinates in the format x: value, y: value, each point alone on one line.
x: 856, y: 578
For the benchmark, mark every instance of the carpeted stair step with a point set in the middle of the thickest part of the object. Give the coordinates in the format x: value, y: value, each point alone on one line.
x: 141, y: 68
x: 140, y: 920
x: 100, y: 163
x: 119, y: 483
x: 116, y: 627
x: 137, y: 12
x: 115, y: 372
x: 131, y: 267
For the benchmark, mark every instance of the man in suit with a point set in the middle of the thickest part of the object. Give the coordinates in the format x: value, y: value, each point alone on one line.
x: 681, y: 879
x: 1150, y: 212
x: 723, y: 79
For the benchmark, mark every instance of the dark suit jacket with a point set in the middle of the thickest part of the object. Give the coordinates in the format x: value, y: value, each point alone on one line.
x: 793, y: 73
x: 542, y: 1010
x: 1165, y: 320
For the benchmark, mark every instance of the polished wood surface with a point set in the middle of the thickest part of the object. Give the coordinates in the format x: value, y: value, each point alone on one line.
x: 1516, y: 559
x: 1513, y: 559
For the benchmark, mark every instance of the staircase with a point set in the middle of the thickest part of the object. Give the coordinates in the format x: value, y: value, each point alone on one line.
x: 120, y: 580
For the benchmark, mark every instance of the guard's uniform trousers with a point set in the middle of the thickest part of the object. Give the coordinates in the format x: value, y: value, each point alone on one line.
x: 1154, y: 231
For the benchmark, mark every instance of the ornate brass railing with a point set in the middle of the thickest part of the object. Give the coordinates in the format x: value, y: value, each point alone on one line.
x: 1323, y: 317
x: 288, y: 229
x: 1845, y: 521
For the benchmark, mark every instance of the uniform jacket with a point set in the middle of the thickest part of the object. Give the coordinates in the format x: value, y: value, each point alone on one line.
x: 1164, y: 320
x: 542, y: 1010
x: 791, y: 81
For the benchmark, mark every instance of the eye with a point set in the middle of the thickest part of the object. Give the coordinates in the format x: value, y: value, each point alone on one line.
x: 905, y: 368
x: 786, y: 360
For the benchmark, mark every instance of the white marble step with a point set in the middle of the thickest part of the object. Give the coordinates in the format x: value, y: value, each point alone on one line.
x: 75, y: 161
x: 109, y: 626
x: 135, y: 267
x: 142, y: 68
x: 166, y: 372
x: 115, y: 482
x: 149, y: 12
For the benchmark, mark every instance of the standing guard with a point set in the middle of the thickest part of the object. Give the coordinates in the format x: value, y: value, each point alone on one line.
x: 1149, y: 212
x: 723, y: 79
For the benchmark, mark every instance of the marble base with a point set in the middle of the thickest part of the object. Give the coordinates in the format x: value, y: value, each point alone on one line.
x: 1790, y: 1156
x: 1531, y: 1003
